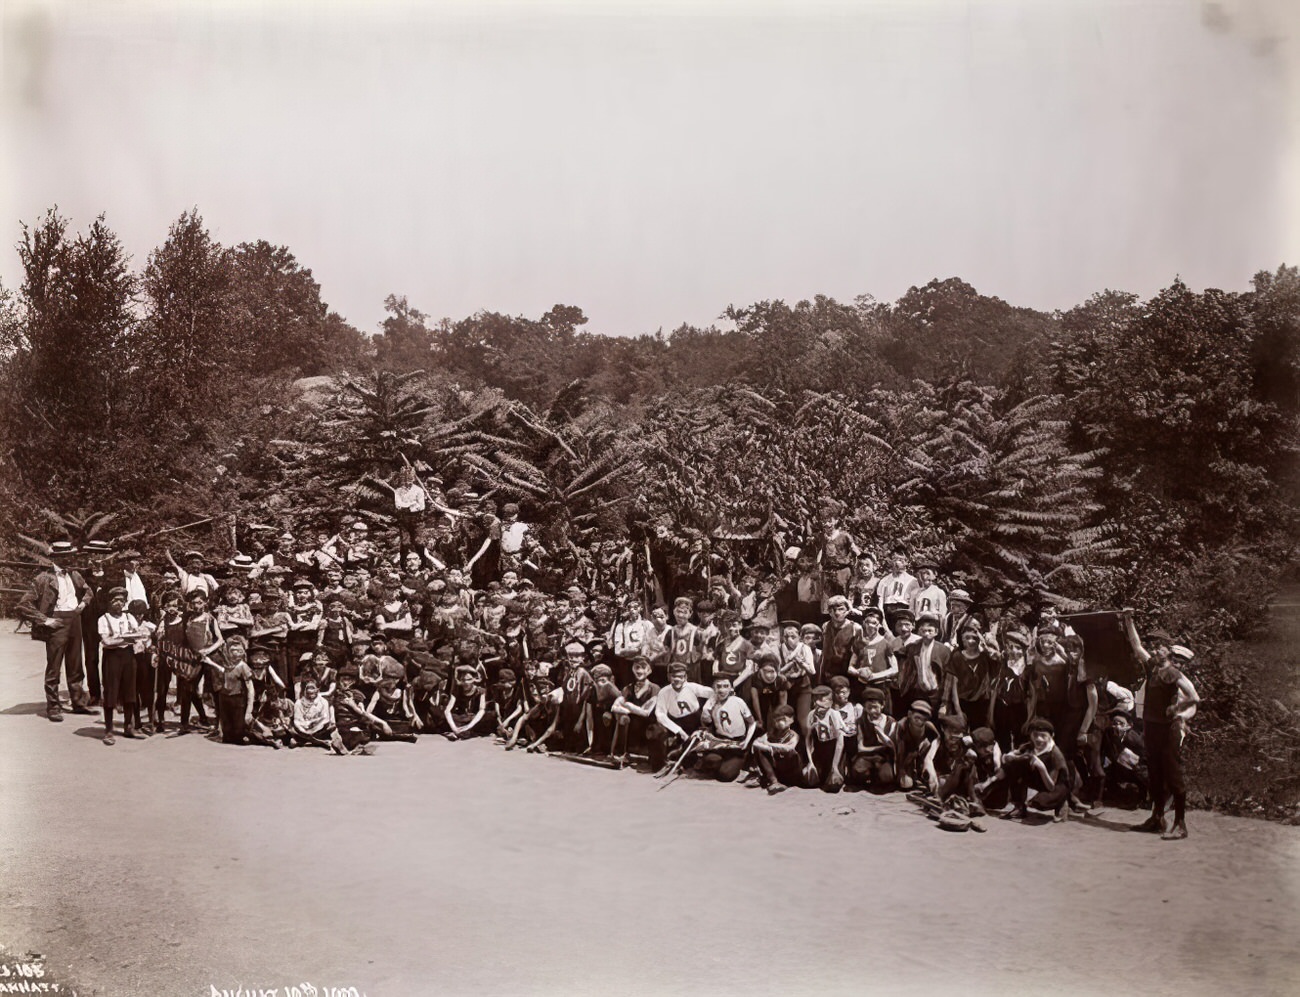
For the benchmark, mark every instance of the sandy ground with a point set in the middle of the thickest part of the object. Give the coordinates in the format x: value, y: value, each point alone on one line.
x: 169, y: 866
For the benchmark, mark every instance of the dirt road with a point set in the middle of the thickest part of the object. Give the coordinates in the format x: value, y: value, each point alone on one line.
x: 171, y: 866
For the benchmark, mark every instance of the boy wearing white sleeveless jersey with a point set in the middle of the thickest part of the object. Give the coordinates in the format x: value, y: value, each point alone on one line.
x: 729, y: 726
x: 677, y: 714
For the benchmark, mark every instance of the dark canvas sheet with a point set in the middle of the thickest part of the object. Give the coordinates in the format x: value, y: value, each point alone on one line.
x: 1106, y: 650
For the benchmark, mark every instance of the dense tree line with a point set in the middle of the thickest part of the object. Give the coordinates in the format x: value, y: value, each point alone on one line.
x: 1122, y: 452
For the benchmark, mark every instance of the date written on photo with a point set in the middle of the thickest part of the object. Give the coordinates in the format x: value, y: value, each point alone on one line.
x: 27, y: 976
x: 292, y: 990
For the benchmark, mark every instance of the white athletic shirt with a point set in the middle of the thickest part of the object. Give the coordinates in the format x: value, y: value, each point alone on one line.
x: 798, y: 662
x: 825, y: 728
x: 896, y: 590
x: 729, y: 718
x: 930, y: 601
x: 677, y: 703
x: 512, y: 537
x: 849, y: 714
x: 631, y: 639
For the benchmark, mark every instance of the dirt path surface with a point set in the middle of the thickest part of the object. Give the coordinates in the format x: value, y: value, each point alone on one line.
x: 170, y: 866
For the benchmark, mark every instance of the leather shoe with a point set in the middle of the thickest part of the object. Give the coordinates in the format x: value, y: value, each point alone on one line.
x: 82, y: 709
x: 55, y: 717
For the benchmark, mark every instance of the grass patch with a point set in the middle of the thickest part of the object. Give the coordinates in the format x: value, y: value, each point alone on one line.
x: 1244, y: 756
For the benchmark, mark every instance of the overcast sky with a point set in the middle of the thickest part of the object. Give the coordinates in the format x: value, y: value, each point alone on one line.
x: 655, y: 163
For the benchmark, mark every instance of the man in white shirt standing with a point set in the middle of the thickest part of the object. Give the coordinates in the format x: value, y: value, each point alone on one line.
x: 409, y: 501
x: 53, y: 606
x: 192, y: 576
x: 517, y: 543
x: 131, y: 580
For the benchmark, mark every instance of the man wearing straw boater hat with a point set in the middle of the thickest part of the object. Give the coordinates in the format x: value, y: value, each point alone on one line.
x: 53, y: 605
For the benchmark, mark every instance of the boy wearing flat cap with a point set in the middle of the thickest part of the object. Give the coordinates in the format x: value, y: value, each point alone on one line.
x: 118, y: 632
x: 507, y: 702
x: 767, y: 687
x: 824, y: 744
x: 729, y: 726
x: 575, y: 708
x: 677, y: 714
x: 538, y: 727
x: 777, y: 752
x: 1038, y: 766
x: 235, y: 684
x: 734, y: 650
x: 1169, y: 703
x: 843, y: 641
x: 912, y: 739
x: 877, y: 665
x: 601, y: 710
x: 923, y: 664
x: 634, y: 709
x: 873, y: 763
x: 1009, y: 695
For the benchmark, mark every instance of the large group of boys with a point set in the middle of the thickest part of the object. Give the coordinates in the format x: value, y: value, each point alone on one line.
x: 836, y: 676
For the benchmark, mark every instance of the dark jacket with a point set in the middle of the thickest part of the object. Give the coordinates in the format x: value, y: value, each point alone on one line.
x: 907, y: 664
x: 39, y: 600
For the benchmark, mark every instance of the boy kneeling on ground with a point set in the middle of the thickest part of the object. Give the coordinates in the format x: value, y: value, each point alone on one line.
x: 540, y: 724
x: 634, y: 710
x: 677, y: 715
x: 873, y: 765
x: 728, y: 727
x: 824, y: 743
x: 1039, y: 766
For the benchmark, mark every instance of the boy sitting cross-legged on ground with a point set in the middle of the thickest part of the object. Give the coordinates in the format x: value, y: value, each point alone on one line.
x: 354, y: 724
x: 507, y: 702
x: 466, y: 713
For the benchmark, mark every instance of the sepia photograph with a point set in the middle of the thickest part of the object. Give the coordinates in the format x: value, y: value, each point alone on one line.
x: 646, y: 497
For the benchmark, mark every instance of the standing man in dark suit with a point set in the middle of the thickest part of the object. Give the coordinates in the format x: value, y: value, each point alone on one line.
x: 95, y: 553
x: 53, y: 606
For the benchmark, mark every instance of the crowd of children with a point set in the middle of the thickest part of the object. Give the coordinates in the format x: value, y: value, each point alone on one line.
x: 899, y: 684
